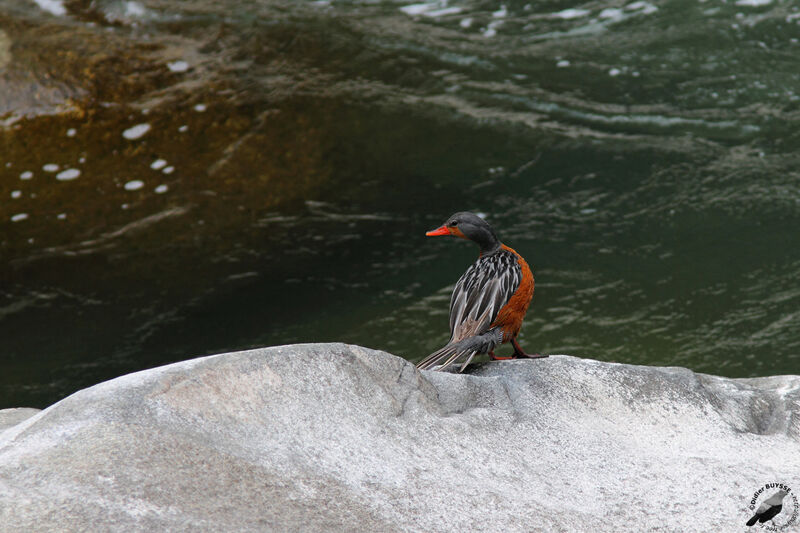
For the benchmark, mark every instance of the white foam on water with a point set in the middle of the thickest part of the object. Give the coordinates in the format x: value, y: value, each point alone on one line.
x: 61, y: 216
x: 491, y: 29
x: 158, y: 164
x: 200, y: 108
x: 26, y: 175
x: 16, y: 194
x: 614, y: 72
x: 69, y: 174
x: 169, y: 170
x: 133, y: 185
x: 71, y: 132
x: 134, y: 9
x: 183, y: 129
x: 19, y: 216
x: 500, y: 13
x: 178, y: 66
x: 54, y: 7
x: 161, y: 189
x: 50, y: 167
x: 612, y: 13
x: 645, y: 7
x: 465, y: 23
x: 430, y: 9
x: 137, y: 131
x: 444, y: 11
x: 571, y: 13
x: 562, y: 63
x: 417, y: 9
x: 753, y: 3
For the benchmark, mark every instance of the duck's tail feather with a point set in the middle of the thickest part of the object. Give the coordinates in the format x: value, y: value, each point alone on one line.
x: 466, y: 348
x: 445, y: 357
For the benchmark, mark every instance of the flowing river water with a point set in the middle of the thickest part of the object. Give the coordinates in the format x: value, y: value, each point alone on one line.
x: 185, y: 178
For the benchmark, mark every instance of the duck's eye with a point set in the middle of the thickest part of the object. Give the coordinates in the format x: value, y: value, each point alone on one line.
x: 453, y: 223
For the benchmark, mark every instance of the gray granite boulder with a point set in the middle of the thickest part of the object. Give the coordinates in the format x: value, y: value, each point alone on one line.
x: 331, y: 437
x: 12, y: 417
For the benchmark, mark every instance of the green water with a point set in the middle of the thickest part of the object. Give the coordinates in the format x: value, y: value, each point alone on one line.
x: 640, y: 156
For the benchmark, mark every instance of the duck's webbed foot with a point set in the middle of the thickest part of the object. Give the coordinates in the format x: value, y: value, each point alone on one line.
x: 519, y: 353
x: 499, y: 358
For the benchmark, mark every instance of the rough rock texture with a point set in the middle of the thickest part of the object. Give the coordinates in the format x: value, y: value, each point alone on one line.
x: 330, y: 437
x: 12, y: 417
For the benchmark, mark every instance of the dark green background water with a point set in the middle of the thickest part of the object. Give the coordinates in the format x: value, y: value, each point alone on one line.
x: 641, y: 156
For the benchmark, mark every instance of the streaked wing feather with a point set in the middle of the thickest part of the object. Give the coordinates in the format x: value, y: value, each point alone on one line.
x: 481, y: 292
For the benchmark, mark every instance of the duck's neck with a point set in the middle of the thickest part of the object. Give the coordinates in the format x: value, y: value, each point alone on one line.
x: 487, y: 242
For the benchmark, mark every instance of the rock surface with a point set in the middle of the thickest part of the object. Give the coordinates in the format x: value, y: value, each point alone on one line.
x: 12, y: 417
x: 331, y: 437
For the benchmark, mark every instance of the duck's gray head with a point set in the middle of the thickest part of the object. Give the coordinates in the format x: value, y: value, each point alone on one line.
x: 469, y: 226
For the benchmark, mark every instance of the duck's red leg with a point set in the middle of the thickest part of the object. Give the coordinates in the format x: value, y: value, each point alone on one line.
x: 520, y: 353
x: 496, y: 358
